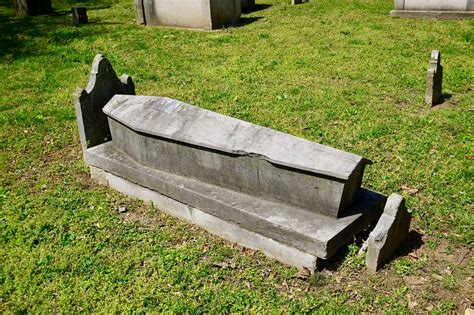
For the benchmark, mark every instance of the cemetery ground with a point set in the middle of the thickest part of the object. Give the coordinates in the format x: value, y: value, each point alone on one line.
x: 341, y: 73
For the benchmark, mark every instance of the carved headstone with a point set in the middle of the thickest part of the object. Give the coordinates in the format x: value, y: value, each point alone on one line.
x: 79, y: 15
x: 390, y: 232
x: 32, y: 7
x: 434, y: 80
x: 103, y: 85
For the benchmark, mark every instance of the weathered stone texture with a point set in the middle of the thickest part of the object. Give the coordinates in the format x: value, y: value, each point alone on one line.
x: 203, y: 14
x: 390, y: 231
x: 103, y: 85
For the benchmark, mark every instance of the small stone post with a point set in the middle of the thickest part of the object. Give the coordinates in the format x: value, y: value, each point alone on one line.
x: 79, y: 15
x: 434, y: 80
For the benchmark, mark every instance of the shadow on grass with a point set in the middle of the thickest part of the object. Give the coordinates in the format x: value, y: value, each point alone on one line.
x: 247, y: 20
x: 18, y: 34
x: 257, y: 7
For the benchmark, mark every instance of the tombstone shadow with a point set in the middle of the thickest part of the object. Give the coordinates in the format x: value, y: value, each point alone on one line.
x: 257, y: 7
x: 57, y: 27
x: 247, y: 20
x: 445, y: 97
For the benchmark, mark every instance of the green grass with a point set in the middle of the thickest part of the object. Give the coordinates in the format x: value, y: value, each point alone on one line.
x: 341, y: 73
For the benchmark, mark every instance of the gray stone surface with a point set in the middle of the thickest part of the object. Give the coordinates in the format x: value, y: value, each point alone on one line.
x: 189, y: 141
x: 434, y: 80
x: 32, y: 7
x: 307, y: 231
x: 390, y: 231
x: 88, y: 102
x: 447, y: 9
x: 228, y: 230
x: 79, y: 15
x: 139, y: 12
x: 201, y: 14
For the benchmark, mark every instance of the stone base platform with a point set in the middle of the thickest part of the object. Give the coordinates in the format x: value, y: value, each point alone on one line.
x: 291, y: 235
x: 448, y: 15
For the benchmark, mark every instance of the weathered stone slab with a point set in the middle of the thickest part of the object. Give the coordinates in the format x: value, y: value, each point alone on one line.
x: 434, y: 80
x: 88, y: 102
x: 310, y: 232
x: 202, y: 14
x: 226, y: 229
x: 183, y: 139
x: 32, y: 7
x: 391, y: 230
x: 448, y: 9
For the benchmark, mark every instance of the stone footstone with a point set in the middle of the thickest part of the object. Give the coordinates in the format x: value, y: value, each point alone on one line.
x: 390, y: 231
x: 434, y: 80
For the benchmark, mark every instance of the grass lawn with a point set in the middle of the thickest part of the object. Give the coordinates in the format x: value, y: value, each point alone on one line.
x: 341, y: 73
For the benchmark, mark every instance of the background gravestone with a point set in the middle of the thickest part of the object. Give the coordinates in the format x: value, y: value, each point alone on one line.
x: 79, y: 15
x: 434, y: 80
x: 32, y: 7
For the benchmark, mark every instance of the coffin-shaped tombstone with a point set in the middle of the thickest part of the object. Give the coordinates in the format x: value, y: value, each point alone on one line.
x: 202, y: 14
x: 455, y: 9
x: 297, y: 200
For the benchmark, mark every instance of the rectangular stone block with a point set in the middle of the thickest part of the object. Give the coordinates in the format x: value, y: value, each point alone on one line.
x: 202, y: 14
x: 443, y: 9
x: 185, y: 140
x: 313, y: 233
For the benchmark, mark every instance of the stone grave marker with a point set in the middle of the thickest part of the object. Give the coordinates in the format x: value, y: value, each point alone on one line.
x: 434, y: 80
x: 200, y: 14
x: 390, y: 232
x: 296, y: 200
x: 79, y: 15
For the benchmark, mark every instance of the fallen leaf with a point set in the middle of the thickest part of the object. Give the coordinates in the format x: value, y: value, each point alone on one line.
x: 303, y: 273
x: 410, y: 190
